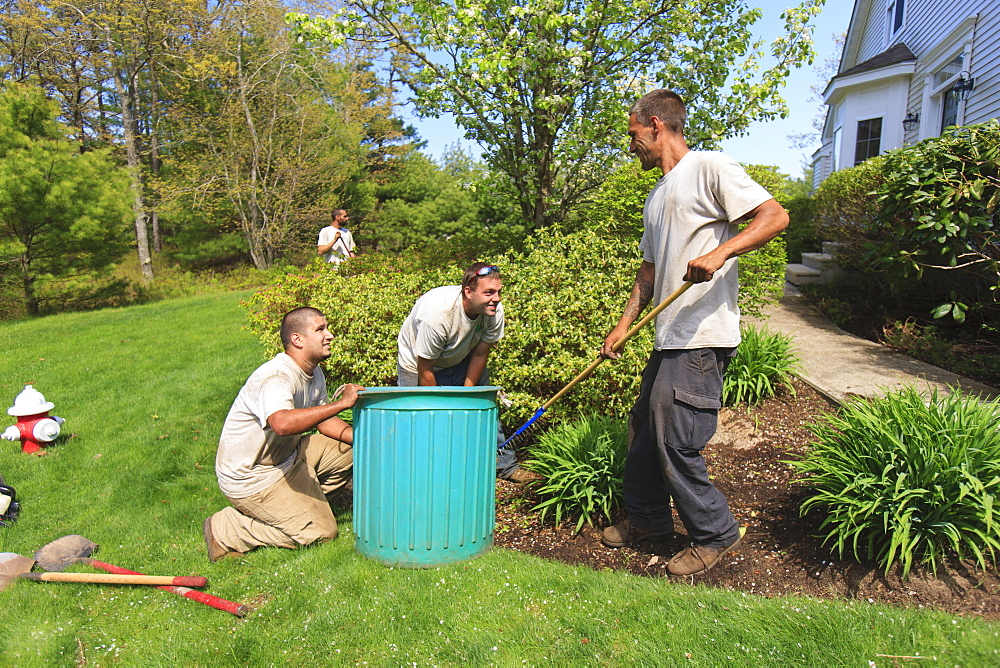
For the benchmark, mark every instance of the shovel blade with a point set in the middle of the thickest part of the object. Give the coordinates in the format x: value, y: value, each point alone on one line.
x: 63, y: 552
x: 11, y: 566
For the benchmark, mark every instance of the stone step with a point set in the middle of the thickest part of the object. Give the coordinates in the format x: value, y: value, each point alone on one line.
x: 818, y: 261
x: 800, y: 274
x: 830, y: 247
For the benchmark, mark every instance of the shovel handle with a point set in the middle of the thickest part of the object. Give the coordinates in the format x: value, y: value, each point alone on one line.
x: 621, y: 342
x: 101, y: 578
x: 200, y: 596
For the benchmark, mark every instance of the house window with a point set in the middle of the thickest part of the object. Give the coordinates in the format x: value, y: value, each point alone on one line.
x: 949, y: 70
x: 838, y: 135
x: 869, y: 139
x: 894, y: 16
x: 949, y: 113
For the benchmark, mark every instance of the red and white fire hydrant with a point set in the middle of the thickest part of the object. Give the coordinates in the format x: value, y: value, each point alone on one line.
x: 35, y: 427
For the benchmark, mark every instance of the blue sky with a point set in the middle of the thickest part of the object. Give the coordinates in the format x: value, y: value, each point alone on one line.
x: 766, y: 143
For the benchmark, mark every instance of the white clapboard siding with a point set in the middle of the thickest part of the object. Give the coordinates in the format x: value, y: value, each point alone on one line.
x: 935, y: 31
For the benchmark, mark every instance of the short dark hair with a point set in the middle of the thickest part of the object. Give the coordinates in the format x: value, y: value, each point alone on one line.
x: 665, y: 105
x: 471, y: 276
x: 294, y: 321
x: 336, y: 212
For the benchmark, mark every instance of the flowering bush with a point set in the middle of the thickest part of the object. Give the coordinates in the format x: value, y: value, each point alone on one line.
x: 562, y: 295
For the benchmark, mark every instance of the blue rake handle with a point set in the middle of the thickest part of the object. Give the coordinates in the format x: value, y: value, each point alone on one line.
x: 583, y: 375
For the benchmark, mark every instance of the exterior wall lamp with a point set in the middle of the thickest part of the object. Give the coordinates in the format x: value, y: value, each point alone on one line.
x: 963, y: 86
x: 911, y: 121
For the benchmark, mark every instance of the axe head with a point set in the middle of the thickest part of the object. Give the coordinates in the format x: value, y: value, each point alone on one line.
x: 62, y: 552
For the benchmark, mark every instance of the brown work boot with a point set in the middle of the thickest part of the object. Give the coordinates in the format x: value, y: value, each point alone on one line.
x: 695, y: 559
x: 623, y: 533
x: 522, y: 477
x: 215, y: 550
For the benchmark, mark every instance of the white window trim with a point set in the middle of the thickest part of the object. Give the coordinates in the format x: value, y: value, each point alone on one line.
x: 891, y: 36
x: 958, y: 43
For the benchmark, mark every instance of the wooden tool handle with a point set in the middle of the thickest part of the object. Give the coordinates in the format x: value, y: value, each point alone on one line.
x: 621, y: 342
x: 102, y: 578
x: 231, y: 607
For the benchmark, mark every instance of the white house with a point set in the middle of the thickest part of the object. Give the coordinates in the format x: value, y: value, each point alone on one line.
x: 910, y: 68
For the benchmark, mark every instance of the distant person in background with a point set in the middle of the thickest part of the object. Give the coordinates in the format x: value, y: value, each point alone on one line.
x: 446, y: 340
x: 336, y: 243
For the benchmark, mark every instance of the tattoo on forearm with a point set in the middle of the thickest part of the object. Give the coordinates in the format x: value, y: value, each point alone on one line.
x: 642, y: 293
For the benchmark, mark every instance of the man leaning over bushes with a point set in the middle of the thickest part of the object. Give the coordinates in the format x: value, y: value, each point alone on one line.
x: 280, y: 481
x: 690, y: 220
x: 446, y: 340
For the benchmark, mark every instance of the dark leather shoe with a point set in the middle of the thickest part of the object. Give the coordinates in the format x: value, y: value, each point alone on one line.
x: 215, y: 550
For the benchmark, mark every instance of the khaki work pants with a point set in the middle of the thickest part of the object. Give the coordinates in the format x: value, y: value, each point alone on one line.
x: 295, y: 510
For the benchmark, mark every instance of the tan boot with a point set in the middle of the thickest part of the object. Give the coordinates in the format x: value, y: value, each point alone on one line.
x: 623, y: 533
x: 695, y: 559
x: 215, y: 550
x: 522, y: 477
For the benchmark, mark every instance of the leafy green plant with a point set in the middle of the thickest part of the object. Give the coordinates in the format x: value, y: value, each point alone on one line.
x: 583, y: 462
x: 908, y: 481
x: 764, y: 362
x: 919, y: 341
x: 939, y: 202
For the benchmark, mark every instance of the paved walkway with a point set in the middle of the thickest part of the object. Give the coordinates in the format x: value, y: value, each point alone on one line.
x: 838, y: 364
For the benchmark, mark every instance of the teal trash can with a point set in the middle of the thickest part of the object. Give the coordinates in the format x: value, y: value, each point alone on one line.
x: 424, y: 472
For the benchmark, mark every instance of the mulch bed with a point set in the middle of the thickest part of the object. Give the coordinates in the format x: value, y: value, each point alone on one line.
x: 780, y: 554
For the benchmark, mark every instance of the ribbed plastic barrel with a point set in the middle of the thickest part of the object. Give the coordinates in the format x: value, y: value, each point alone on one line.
x: 424, y: 471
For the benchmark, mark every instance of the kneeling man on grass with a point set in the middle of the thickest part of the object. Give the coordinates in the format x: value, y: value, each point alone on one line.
x: 280, y: 481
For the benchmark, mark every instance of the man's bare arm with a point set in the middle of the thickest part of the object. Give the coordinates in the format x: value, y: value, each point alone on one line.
x: 477, y: 363
x: 300, y: 420
x: 425, y: 372
x: 642, y: 294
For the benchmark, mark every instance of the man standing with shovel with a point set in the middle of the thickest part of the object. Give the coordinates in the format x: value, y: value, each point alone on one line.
x: 690, y: 233
x: 280, y: 481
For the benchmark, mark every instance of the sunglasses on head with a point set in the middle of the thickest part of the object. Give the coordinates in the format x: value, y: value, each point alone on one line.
x: 487, y: 270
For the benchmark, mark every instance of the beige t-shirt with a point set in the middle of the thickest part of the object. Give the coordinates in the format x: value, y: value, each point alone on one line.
x: 251, y: 456
x: 438, y: 329
x: 343, y: 246
x: 690, y: 211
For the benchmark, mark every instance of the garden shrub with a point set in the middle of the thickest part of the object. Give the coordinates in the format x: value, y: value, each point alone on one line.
x: 845, y: 211
x: 800, y: 237
x: 901, y: 480
x: 762, y: 272
x: 921, y: 224
x: 763, y: 363
x: 616, y: 208
x: 562, y: 296
x: 583, y: 462
x: 940, y: 205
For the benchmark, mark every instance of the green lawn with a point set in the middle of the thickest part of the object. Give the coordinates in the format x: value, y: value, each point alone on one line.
x: 145, y: 391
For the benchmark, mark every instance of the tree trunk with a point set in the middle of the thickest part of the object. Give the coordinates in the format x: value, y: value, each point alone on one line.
x: 127, y: 100
x: 28, y: 286
x: 154, y: 156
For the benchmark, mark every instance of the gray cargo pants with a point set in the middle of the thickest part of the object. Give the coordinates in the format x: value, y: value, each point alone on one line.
x: 673, y: 419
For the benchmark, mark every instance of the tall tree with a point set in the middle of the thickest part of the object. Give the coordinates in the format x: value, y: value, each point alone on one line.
x: 62, y: 212
x: 543, y: 85
x: 103, y: 61
x: 271, y: 130
x: 824, y: 73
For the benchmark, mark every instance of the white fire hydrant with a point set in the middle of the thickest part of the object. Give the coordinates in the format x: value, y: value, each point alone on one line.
x: 35, y: 427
